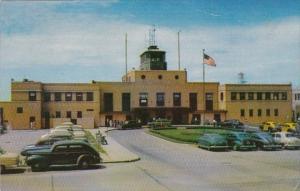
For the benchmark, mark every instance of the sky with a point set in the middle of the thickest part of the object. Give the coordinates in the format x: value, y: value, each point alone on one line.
x: 81, y: 41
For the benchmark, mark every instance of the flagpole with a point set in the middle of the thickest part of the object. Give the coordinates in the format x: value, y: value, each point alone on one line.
x: 203, y: 86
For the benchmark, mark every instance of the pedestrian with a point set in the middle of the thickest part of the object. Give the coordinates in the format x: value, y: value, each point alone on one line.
x: 110, y: 123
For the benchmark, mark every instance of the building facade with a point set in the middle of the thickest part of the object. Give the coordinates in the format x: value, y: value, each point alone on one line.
x: 296, y: 104
x: 148, y: 93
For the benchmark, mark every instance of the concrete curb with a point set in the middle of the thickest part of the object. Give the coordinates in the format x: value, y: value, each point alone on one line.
x: 131, y: 157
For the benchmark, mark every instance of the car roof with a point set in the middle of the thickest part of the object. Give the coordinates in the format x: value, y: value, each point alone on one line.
x: 71, y: 142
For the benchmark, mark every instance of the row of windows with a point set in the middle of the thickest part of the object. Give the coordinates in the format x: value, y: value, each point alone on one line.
x: 69, y: 96
x: 256, y: 96
x: 58, y: 114
x: 159, y: 77
x: 259, y: 112
x: 160, y: 101
x: 297, y: 96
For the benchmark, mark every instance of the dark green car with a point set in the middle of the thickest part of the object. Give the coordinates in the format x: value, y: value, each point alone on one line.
x: 160, y: 123
x: 213, y: 142
x: 239, y: 140
x: 132, y: 124
x: 67, y: 152
x: 264, y: 141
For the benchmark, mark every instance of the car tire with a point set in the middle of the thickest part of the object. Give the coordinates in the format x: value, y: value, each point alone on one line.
x: 2, y: 169
x: 235, y: 147
x: 84, y: 163
x: 37, y: 167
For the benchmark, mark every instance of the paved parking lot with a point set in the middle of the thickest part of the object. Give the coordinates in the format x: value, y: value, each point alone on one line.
x: 163, y: 166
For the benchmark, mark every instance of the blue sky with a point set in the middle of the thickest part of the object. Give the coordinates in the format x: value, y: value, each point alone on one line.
x: 85, y: 39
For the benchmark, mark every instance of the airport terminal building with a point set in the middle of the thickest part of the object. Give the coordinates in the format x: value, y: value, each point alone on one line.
x: 144, y: 94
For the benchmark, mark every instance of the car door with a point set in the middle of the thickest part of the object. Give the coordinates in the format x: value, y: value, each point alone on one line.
x: 60, y: 155
x: 75, y: 151
x: 277, y: 138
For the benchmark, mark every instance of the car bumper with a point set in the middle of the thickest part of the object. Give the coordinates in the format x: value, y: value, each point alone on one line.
x: 218, y: 147
x: 246, y: 147
x: 292, y: 146
x: 271, y: 147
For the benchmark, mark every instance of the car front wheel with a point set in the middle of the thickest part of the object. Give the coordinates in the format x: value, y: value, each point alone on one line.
x: 2, y: 169
x: 39, y: 167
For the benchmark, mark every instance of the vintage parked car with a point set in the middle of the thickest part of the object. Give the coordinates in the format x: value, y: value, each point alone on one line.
x: 78, y: 132
x: 287, y: 140
x: 239, y: 140
x: 264, y: 141
x: 160, y: 123
x: 67, y: 152
x: 43, y: 143
x: 232, y: 123
x: 132, y: 124
x: 8, y: 160
x: 2, y: 129
x: 288, y: 127
x: 61, y: 132
x: 212, y: 142
x: 269, y: 126
x: 64, y: 127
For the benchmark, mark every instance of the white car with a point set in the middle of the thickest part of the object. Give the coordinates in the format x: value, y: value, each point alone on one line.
x: 287, y: 140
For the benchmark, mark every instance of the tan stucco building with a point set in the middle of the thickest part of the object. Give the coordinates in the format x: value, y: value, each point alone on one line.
x: 151, y: 92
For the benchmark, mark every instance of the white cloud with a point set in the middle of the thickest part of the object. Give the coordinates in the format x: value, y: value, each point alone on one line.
x: 265, y: 53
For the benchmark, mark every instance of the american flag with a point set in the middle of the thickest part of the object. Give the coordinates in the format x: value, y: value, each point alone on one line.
x: 208, y: 60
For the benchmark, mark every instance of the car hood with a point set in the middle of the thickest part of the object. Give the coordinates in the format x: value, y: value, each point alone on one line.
x: 39, y: 151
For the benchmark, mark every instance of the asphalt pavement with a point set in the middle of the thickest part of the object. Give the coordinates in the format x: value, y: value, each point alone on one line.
x: 164, y: 166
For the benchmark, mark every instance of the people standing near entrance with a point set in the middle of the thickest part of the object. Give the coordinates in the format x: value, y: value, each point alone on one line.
x: 31, y: 125
x: 110, y: 123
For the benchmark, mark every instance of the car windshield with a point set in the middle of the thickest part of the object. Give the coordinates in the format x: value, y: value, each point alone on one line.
x: 265, y: 136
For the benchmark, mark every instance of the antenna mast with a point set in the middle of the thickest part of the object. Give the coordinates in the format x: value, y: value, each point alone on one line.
x: 152, y: 36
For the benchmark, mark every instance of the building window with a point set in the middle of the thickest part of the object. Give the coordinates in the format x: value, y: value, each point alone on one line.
x: 259, y: 112
x: 209, y: 102
x: 69, y: 114
x: 177, y: 99
x: 176, y: 77
x: 276, y: 112
x: 242, y: 113
x: 250, y: 96
x: 57, y: 96
x: 79, y: 96
x: 193, y: 101
x: 242, y: 95
x: 160, y: 99
x: 19, y: 109
x: 251, y: 112
x: 47, y: 97
x: 276, y: 96
x: 268, y: 112
x: 32, y: 96
x: 259, y: 95
x: 89, y: 96
x: 268, y: 95
x: 160, y: 77
x: 143, y: 77
x: 143, y: 99
x: 297, y: 96
x: 125, y: 102
x: 233, y: 95
x: 108, y: 102
x: 57, y: 114
x: 284, y: 96
x: 79, y: 114
x: 68, y: 96
x: 89, y: 109
x: 222, y: 96
x: 46, y: 114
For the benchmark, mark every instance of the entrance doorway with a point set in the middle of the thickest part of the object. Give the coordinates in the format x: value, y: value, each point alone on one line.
x: 32, y: 122
x: 217, y: 117
x: 108, y: 118
x: 196, y: 119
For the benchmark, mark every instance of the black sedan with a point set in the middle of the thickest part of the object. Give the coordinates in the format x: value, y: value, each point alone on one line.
x: 68, y: 152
